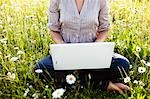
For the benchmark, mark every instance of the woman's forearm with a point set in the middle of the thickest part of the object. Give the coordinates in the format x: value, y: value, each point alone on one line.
x: 56, y: 37
x: 101, y: 37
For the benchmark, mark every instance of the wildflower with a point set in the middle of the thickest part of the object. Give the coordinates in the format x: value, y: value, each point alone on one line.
x: 30, y: 86
x: 138, y: 49
x: 127, y: 79
x: 141, y: 83
x: 70, y: 79
x: 135, y: 82
x: 4, y: 40
x: 39, y: 71
x: 131, y: 66
x: 58, y: 93
x: 46, y: 86
x: 16, y: 48
x: 9, y: 55
x: 13, y: 59
x: 19, y: 52
x: 44, y: 97
x: 26, y: 92
x: 11, y: 76
x: 141, y: 69
x: 35, y: 95
x: 143, y: 61
x: 148, y: 64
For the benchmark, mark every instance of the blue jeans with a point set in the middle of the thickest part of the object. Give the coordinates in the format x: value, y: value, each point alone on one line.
x: 97, y: 75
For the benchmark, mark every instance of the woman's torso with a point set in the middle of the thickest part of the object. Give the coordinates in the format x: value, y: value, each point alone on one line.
x: 79, y: 27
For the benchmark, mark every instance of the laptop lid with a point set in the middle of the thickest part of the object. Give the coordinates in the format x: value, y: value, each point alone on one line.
x: 75, y: 56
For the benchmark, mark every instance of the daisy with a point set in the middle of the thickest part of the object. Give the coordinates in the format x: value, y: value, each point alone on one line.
x: 138, y: 49
x: 127, y: 79
x: 70, y: 79
x: 141, y: 69
x: 135, y: 82
x: 13, y: 59
x: 19, y: 52
x: 39, y: 71
x: 58, y: 93
x: 148, y: 64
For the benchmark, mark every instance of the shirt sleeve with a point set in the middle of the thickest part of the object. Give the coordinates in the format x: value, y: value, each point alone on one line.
x: 53, y: 16
x: 104, y: 17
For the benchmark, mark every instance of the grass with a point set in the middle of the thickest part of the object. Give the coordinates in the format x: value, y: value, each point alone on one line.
x: 23, y: 28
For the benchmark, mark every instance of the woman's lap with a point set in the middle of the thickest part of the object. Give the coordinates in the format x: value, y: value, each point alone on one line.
x: 118, y: 61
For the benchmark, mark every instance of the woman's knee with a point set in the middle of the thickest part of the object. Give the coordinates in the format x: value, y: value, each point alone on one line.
x: 45, y: 63
x: 121, y: 61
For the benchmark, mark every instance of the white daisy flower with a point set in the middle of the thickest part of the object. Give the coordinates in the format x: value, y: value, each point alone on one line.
x: 39, y: 71
x: 4, y: 40
x: 143, y: 61
x: 138, y: 49
x: 127, y: 79
x: 135, y: 82
x: 20, y: 52
x: 70, y: 79
x: 131, y: 66
x: 13, y: 59
x: 11, y: 76
x: 58, y: 93
x: 148, y: 64
x: 141, y: 69
x: 141, y: 83
x: 26, y: 92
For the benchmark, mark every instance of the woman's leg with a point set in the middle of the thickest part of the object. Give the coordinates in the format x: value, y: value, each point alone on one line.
x: 103, y: 76
x: 49, y: 74
x: 46, y: 66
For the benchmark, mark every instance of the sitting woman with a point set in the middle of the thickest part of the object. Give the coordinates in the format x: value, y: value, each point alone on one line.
x: 81, y: 21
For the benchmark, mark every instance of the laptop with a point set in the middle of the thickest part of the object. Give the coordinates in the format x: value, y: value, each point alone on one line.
x: 82, y: 56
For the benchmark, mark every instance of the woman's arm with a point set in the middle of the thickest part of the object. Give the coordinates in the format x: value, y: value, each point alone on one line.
x: 53, y: 21
x: 56, y: 37
x: 101, y: 37
x: 104, y: 23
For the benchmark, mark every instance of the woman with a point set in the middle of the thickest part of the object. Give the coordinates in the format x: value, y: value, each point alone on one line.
x: 82, y: 21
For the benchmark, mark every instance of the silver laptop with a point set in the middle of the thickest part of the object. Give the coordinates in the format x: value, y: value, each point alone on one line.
x: 76, y: 56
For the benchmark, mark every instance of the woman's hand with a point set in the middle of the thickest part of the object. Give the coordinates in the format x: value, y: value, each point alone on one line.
x: 102, y: 36
x: 56, y: 37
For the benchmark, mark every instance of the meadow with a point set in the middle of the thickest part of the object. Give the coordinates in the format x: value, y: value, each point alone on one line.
x: 24, y: 40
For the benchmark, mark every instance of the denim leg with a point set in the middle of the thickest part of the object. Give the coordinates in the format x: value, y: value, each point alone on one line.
x: 46, y: 66
x: 120, y: 64
x: 49, y: 74
x: 103, y: 76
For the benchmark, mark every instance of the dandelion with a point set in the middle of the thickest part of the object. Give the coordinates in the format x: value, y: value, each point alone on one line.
x: 39, y: 71
x: 135, y: 82
x: 70, y: 79
x: 13, y: 59
x: 19, y: 52
x: 148, y: 64
x: 141, y: 69
x: 127, y: 79
x: 58, y: 93
x: 141, y: 83
x: 11, y: 76
x: 138, y: 49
